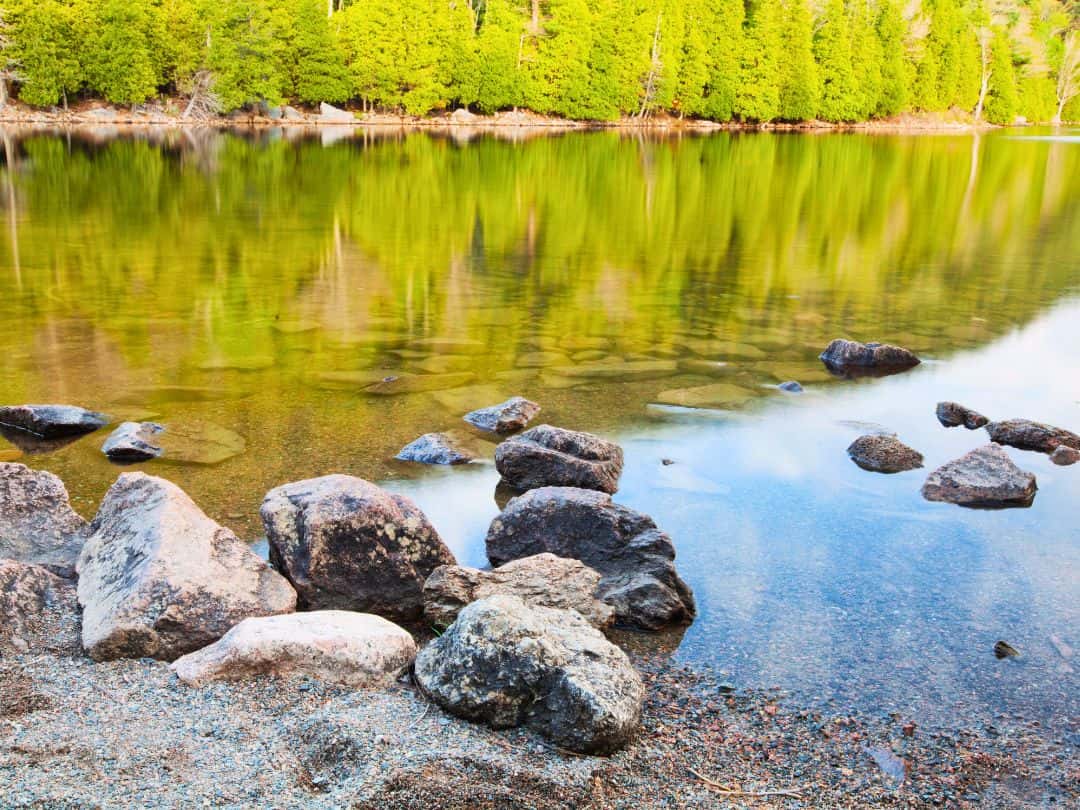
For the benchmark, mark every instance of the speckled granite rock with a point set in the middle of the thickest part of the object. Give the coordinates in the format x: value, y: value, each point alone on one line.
x: 435, y: 448
x: 37, y: 523
x: 39, y: 612
x: 953, y: 414
x: 506, y: 417
x: 133, y: 441
x: 550, y: 456
x: 850, y: 354
x: 883, y: 453
x: 985, y: 477
x: 1024, y: 434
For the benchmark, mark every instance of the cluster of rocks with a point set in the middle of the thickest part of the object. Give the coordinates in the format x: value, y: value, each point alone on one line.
x: 452, y: 447
x: 152, y: 576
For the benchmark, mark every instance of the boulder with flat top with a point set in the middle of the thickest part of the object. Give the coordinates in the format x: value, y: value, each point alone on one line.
x: 547, y: 456
x: 985, y: 478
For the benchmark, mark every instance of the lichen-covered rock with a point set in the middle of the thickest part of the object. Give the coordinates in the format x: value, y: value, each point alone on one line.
x: 436, y: 448
x: 52, y: 421
x: 1065, y: 456
x: 37, y: 523
x: 953, y: 414
x: 884, y: 453
x: 346, y: 544
x: 1024, y: 434
x: 506, y: 417
x: 543, y: 579
x: 133, y: 441
x: 335, y: 646
x: 158, y: 578
x: 636, y: 560
x: 985, y: 477
x: 549, y: 456
x: 505, y: 663
x: 38, y: 611
x: 849, y: 354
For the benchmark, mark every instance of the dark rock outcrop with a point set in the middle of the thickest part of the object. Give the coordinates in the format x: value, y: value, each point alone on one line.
x: 436, y: 448
x: 346, y: 544
x: 549, y: 456
x: 953, y: 414
x: 133, y: 441
x: 985, y: 477
x: 37, y: 523
x: 506, y: 664
x: 38, y: 611
x: 1024, y: 434
x: 849, y: 356
x: 636, y: 560
x: 52, y: 421
x: 506, y: 417
x: 159, y: 579
x: 884, y: 453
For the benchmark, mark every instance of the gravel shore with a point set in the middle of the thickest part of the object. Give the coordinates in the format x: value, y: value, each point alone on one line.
x: 127, y: 734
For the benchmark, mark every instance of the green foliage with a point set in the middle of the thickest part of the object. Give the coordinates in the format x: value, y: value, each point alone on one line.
x: 241, y: 53
x: 310, y: 60
x: 800, y: 82
x: 44, y: 50
x: 895, y: 90
x: 757, y: 97
x: 119, y: 45
x: 726, y: 43
x: 1038, y: 98
x: 1002, y: 103
x: 499, y: 80
x: 832, y: 47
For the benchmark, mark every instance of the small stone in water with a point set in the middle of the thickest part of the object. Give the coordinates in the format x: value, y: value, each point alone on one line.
x: 1005, y: 650
x: 791, y: 387
x: 667, y: 462
x: 891, y: 765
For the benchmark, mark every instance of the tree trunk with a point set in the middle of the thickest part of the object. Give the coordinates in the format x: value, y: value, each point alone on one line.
x: 3, y: 92
x: 984, y: 88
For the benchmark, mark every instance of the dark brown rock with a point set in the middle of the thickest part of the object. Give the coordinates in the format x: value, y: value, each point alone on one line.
x: 346, y: 544
x: 1024, y: 434
x: 549, y: 456
x: 985, y: 477
x: 953, y: 414
x: 38, y: 611
x: 506, y: 417
x: 883, y: 453
x: 852, y: 357
x: 52, y: 421
x: 636, y: 560
x: 37, y: 523
x: 1065, y: 456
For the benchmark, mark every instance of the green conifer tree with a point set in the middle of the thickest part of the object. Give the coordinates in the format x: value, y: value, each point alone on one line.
x: 1002, y: 101
x: 499, y: 79
x: 867, y: 59
x: 757, y: 96
x: 120, y: 48
x: 241, y: 53
x: 44, y: 48
x: 310, y: 60
x: 726, y: 44
x: 890, y: 29
x: 800, y: 82
x: 832, y: 48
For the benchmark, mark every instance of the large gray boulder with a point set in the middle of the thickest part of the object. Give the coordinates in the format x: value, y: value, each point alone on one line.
x: 52, y: 421
x: 329, y: 114
x: 335, y: 646
x: 854, y: 357
x: 547, y: 456
x: 37, y: 523
x: 884, y: 453
x: 985, y: 477
x: 1024, y: 434
x: 506, y: 417
x: 158, y: 578
x: 505, y: 663
x: 346, y: 544
x: 543, y: 579
x: 953, y: 414
x: 38, y: 611
x: 636, y: 560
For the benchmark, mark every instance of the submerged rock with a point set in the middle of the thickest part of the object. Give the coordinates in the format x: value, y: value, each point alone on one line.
x: 417, y: 383
x: 550, y: 456
x: 133, y: 441
x: 506, y: 664
x: 883, y: 453
x: 335, y: 646
x: 716, y: 395
x: 158, y: 578
x: 1065, y: 456
x: 1004, y: 649
x: 953, y: 414
x: 636, y: 560
x: 506, y: 417
x: 435, y: 448
x: 37, y: 523
x: 347, y: 544
x: 854, y: 357
x: 52, y: 421
x: 38, y: 611
x: 790, y: 387
x: 1024, y: 434
x: 543, y: 579
x: 985, y: 477
x: 195, y: 442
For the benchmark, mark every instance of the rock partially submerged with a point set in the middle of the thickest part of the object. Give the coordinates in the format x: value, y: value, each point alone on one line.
x: 335, y: 646
x: 543, y: 579
x: 953, y: 414
x: 790, y: 387
x: 1024, y: 434
x: 38, y: 611
x: 985, y: 477
x: 506, y: 664
x: 636, y: 560
x: 158, y: 578
x: 884, y: 453
x: 133, y: 441
x: 347, y: 544
x: 52, y: 421
x: 506, y: 417
x: 37, y: 523
x: 550, y: 456
x: 1065, y: 456
x: 436, y: 448
x: 852, y: 357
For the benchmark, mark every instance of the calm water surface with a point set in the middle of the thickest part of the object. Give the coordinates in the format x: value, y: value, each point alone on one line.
x: 257, y: 285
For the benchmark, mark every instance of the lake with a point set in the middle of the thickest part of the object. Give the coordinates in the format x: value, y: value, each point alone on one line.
x: 251, y: 287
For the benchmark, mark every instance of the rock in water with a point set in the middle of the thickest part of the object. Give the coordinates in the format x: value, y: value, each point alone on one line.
x: 984, y: 477
x: 507, y: 664
x: 636, y: 560
x: 1065, y: 456
x: 1024, y: 434
x: 506, y: 417
x: 336, y: 646
x: 435, y: 448
x: 37, y: 523
x: 158, y: 578
x: 38, y: 611
x: 543, y: 579
x: 844, y: 355
x: 52, y: 421
x: 791, y: 387
x: 549, y: 456
x: 133, y: 441
x: 885, y: 454
x: 953, y: 414
x: 346, y: 544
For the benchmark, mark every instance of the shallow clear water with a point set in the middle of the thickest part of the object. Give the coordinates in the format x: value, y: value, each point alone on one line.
x: 261, y: 282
